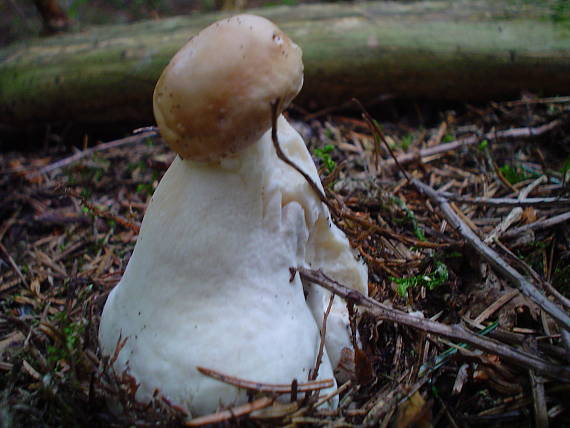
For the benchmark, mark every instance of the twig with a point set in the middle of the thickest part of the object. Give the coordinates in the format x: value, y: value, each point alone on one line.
x: 552, y: 100
x: 234, y: 412
x: 456, y: 331
x: 515, y: 214
x: 527, y: 288
x: 566, y: 342
x: 530, y: 271
x: 9, y: 223
x: 374, y: 228
x: 336, y: 392
x: 87, y: 152
x: 14, y: 265
x: 104, y: 214
x: 284, y: 158
x: 453, y: 145
x: 376, y: 129
x: 315, y: 372
x: 538, y: 396
x: 495, y: 306
x: 508, y: 202
x: 537, y: 225
x: 276, y: 388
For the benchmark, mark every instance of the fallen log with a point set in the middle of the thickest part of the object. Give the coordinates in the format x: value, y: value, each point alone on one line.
x: 444, y: 50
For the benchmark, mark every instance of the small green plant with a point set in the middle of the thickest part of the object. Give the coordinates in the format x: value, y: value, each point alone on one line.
x: 513, y: 174
x: 131, y: 166
x: 561, y: 279
x: 411, y: 218
x: 85, y: 193
x: 324, y: 154
x: 431, y: 281
x: 483, y: 145
x: 406, y: 142
x: 448, y: 138
x: 145, y: 188
x: 68, y: 348
x: 566, y: 166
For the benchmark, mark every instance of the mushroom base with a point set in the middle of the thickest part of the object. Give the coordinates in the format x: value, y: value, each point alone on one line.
x: 209, y: 284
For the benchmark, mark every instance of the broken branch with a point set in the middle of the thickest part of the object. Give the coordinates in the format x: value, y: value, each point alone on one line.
x: 453, y: 145
x: 492, y: 257
x: 234, y: 412
x: 276, y: 388
x: 457, y: 331
x: 152, y: 132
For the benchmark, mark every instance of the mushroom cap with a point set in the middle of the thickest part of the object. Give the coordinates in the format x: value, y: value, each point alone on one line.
x: 214, y: 97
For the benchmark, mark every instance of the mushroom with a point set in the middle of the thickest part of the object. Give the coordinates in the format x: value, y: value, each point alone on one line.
x: 209, y: 283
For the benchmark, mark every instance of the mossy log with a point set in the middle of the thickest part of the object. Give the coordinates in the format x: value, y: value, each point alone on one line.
x: 443, y: 50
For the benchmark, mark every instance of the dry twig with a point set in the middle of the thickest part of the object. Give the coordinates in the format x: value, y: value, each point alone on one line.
x: 233, y: 413
x: 151, y: 132
x: 315, y: 372
x: 538, y: 225
x: 315, y: 385
x: 284, y: 158
x: 457, y: 331
x: 508, y: 202
x: 453, y: 145
x: 526, y: 287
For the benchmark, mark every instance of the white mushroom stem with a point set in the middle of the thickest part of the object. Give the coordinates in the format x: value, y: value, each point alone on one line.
x: 208, y: 284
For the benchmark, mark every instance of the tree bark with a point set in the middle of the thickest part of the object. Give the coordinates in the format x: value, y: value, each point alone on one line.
x: 442, y: 50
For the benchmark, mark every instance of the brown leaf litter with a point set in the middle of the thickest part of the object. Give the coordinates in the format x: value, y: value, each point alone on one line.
x: 449, y: 336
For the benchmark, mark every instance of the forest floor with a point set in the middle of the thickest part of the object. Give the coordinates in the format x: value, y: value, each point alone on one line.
x: 451, y: 341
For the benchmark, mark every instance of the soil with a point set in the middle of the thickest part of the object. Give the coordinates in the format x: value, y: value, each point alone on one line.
x: 70, y: 220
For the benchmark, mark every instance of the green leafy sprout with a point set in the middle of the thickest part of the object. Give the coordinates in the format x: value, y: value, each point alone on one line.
x: 68, y: 348
x: 483, y: 145
x: 406, y: 142
x: 324, y: 154
x: 411, y: 218
x: 566, y: 166
x: 431, y: 281
x: 514, y: 174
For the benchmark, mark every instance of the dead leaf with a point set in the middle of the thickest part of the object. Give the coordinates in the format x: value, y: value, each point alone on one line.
x: 529, y: 215
x: 414, y: 412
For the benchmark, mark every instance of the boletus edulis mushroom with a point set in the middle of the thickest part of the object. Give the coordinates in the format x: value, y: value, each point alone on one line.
x: 209, y: 281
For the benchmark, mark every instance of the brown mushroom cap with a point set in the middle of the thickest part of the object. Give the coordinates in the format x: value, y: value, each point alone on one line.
x: 214, y: 97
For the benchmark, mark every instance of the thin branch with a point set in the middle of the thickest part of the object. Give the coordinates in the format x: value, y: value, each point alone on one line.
x: 315, y: 372
x: 234, y: 412
x: 492, y: 257
x: 276, y: 388
x: 551, y: 100
x: 102, y: 213
x: 453, y: 145
x: 98, y: 148
x: 456, y: 332
x: 284, y: 158
x: 530, y: 271
x: 336, y: 392
x: 515, y: 214
x: 537, y: 225
x: 509, y: 202
x: 14, y: 265
x: 374, y: 228
x: 376, y: 130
